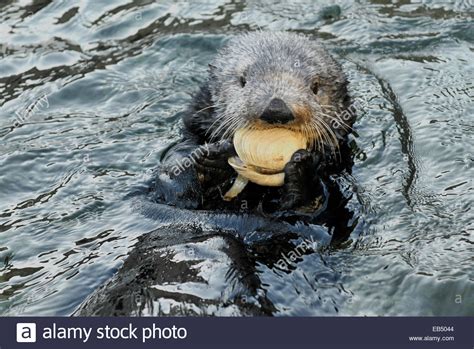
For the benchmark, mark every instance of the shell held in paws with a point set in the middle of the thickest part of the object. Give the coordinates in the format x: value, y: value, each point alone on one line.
x: 268, y: 149
x: 262, y: 156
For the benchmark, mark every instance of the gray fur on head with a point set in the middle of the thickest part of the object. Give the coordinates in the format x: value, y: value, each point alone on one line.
x: 255, y: 67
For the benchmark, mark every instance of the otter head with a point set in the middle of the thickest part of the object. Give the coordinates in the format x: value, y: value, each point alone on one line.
x: 278, y: 79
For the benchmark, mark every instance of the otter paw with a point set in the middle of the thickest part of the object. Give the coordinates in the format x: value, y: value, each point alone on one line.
x: 214, y: 156
x: 301, y: 179
x: 211, y: 163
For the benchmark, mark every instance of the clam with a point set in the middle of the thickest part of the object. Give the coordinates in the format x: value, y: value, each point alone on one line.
x: 262, y: 156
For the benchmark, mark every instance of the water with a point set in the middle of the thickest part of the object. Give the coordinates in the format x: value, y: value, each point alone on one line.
x: 91, y: 94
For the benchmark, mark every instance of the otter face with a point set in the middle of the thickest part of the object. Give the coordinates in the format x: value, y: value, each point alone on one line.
x: 278, y: 79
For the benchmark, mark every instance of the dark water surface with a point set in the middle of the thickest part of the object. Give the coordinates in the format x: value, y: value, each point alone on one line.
x: 91, y: 94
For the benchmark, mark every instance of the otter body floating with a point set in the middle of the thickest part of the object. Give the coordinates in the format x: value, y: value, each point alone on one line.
x: 262, y: 156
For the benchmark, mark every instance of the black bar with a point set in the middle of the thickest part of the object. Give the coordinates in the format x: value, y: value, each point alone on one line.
x: 243, y: 333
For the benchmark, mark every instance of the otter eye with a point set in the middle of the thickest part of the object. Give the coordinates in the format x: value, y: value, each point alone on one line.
x: 242, y: 81
x: 315, y: 88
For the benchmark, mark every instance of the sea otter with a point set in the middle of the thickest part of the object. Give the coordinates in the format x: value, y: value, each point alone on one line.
x: 261, y: 80
x: 209, y: 251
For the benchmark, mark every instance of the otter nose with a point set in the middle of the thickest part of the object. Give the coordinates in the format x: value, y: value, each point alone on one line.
x: 277, y: 112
